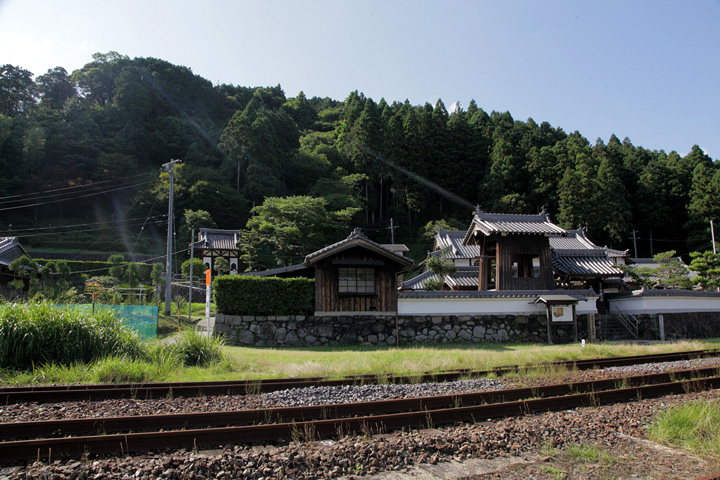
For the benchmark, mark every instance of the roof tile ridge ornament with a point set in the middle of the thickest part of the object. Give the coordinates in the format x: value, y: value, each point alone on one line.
x: 544, y: 211
x: 357, y: 233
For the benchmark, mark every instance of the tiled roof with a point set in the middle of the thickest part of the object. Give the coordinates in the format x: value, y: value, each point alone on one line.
x: 575, y: 255
x: 586, y: 266
x: 418, y: 282
x: 664, y: 293
x: 503, y: 223
x: 10, y: 249
x: 449, y: 244
x: 530, y: 294
x: 217, y: 239
x: 463, y: 278
x: 277, y: 271
x: 357, y: 238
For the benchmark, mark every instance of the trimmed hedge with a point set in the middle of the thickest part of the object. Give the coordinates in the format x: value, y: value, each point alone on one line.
x: 248, y: 295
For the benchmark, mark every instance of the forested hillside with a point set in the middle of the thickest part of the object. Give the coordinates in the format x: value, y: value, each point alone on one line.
x: 84, y: 149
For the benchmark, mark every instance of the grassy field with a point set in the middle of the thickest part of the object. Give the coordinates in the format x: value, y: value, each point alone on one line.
x: 155, y: 362
x: 340, y: 361
x: 254, y: 363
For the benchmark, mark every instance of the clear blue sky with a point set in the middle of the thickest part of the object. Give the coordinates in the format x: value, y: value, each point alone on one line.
x: 646, y: 70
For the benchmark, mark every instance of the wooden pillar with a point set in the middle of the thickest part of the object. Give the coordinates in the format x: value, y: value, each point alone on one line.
x: 575, y: 323
x: 484, y: 273
x: 549, y: 322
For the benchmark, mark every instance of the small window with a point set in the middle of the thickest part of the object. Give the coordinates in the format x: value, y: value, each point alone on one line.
x: 356, y: 280
x: 525, y: 266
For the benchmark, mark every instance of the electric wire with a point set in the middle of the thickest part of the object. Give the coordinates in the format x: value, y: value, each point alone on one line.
x: 87, y: 185
x: 18, y: 207
x: 74, y: 225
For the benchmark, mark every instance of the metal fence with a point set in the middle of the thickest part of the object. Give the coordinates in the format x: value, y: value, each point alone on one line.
x: 142, y: 319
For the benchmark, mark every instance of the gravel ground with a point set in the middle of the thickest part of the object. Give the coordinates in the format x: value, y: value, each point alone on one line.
x: 548, y: 435
x: 311, y: 396
x: 547, y: 440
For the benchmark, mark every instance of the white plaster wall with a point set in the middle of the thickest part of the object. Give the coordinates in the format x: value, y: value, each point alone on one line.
x: 674, y: 304
x: 483, y: 306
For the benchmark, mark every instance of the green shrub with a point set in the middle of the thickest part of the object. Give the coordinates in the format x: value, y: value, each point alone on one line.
x: 197, y: 349
x: 40, y: 333
x: 248, y: 295
x: 78, y: 268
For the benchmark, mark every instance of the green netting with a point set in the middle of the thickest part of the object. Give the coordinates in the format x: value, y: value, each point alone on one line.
x: 139, y: 318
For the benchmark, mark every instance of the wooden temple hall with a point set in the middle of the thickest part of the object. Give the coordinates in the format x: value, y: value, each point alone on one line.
x: 514, y: 250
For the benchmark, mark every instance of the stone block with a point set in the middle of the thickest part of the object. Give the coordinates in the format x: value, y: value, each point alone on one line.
x: 245, y: 337
x: 478, y: 331
x: 502, y: 335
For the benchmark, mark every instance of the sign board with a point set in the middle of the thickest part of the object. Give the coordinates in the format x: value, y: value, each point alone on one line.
x: 561, y: 313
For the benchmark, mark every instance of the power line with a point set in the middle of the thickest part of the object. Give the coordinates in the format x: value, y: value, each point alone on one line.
x: 80, y: 225
x: 76, y: 197
x: 7, y: 199
x: 81, y: 230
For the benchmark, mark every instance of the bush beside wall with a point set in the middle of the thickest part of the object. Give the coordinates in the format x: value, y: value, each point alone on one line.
x: 248, y: 295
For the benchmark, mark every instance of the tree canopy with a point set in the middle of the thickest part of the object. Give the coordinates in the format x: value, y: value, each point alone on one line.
x: 93, y: 140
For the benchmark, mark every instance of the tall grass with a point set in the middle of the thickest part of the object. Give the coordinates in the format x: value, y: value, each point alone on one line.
x: 694, y: 427
x: 40, y: 333
x: 197, y: 349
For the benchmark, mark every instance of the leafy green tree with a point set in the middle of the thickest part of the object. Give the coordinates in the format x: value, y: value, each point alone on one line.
x: 158, y: 277
x: 55, y: 88
x: 222, y: 266
x: 132, y: 274
x: 194, y: 219
x: 16, y: 90
x: 25, y: 266
x: 117, y: 269
x: 707, y: 266
x: 296, y: 226
x: 442, y: 268
x: 96, y: 80
x: 672, y: 272
x: 197, y: 265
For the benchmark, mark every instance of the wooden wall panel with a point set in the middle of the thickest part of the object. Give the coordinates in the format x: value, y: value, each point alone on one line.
x: 327, y: 297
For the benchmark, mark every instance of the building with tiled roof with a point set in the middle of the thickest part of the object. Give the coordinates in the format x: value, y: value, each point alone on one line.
x: 449, y: 246
x: 357, y: 275
x: 579, y: 263
x: 213, y: 243
x: 10, y: 250
x: 515, y: 251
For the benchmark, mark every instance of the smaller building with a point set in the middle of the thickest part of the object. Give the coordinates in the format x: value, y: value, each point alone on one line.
x: 10, y: 250
x: 213, y: 243
x: 357, y: 275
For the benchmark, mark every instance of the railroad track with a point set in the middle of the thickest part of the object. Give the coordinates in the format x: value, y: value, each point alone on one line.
x: 65, y: 393
x: 200, y: 430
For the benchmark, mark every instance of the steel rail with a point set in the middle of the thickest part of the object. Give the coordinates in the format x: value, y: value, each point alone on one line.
x: 427, y: 412
x: 136, y: 423
x: 62, y: 393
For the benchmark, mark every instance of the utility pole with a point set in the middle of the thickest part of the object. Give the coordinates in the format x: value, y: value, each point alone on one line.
x: 712, y: 232
x: 170, y: 167
x: 192, y: 257
x: 635, y: 242
x: 392, y: 231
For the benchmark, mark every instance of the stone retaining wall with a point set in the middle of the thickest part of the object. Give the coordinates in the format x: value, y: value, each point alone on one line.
x: 381, y: 330
x: 681, y: 325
